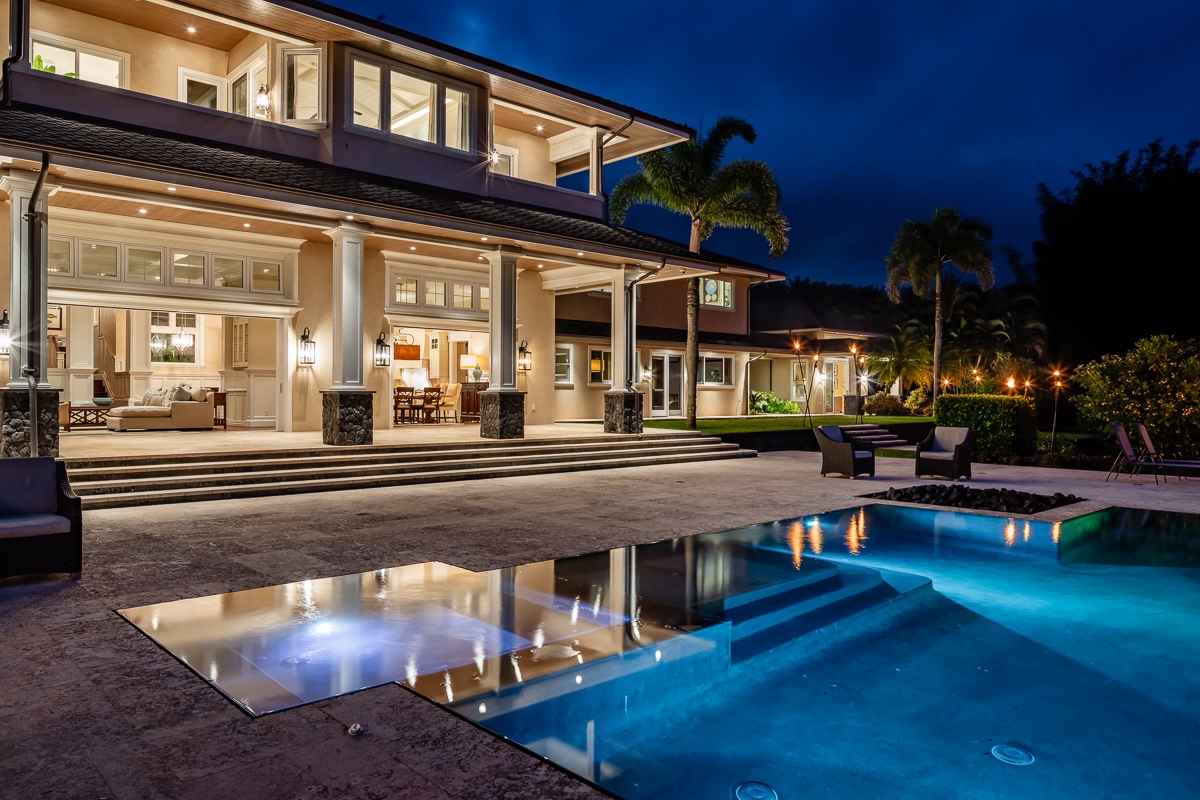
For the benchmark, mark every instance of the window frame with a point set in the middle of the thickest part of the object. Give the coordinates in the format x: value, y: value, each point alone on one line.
x: 246, y: 272
x: 717, y: 306
x: 513, y: 157
x: 205, y: 281
x: 78, y: 46
x: 425, y: 292
x: 78, y: 265
x: 163, y: 260
x: 259, y: 60
x: 440, y: 82
x: 570, y: 379
x: 72, y: 257
x: 186, y: 73
x: 604, y: 351
x: 250, y: 262
x: 416, y: 292
x: 174, y: 327
x: 280, y: 103
x: 726, y: 371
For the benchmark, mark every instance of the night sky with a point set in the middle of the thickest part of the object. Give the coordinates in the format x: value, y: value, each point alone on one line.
x: 869, y: 112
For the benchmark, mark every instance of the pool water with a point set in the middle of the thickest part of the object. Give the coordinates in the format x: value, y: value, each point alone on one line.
x: 707, y: 666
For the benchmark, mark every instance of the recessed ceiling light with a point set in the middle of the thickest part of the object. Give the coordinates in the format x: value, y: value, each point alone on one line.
x: 412, y: 248
x: 245, y: 224
x: 170, y: 188
x: 141, y: 211
x: 191, y: 29
x: 579, y: 254
x: 481, y: 258
x: 349, y: 216
x: 539, y: 127
x: 483, y: 238
x: 540, y: 266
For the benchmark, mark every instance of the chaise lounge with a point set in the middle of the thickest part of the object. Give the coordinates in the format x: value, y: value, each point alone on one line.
x: 167, y: 415
x: 946, y: 453
x: 41, y: 519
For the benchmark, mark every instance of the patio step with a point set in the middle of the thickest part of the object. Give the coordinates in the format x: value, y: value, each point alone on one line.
x: 872, y: 435
x: 215, y: 477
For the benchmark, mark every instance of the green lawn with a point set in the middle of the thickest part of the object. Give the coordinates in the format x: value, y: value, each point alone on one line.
x: 716, y: 426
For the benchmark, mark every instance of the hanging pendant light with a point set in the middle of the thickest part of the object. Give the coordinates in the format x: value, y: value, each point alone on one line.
x: 182, y: 341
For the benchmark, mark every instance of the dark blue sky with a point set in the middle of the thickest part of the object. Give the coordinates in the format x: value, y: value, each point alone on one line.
x: 869, y: 112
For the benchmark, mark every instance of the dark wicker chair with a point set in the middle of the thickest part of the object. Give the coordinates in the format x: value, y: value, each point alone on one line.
x: 41, y: 519
x: 946, y: 453
x: 842, y: 457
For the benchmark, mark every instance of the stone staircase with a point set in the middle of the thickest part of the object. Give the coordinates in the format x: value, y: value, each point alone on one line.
x: 873, y: 435
x: 117, y: 482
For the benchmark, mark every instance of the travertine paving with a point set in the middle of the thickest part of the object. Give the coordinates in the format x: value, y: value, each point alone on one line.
x: 90, y: 708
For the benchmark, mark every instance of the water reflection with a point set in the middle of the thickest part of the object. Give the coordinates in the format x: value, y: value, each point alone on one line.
x: 856, y: 532
x: 795, y: 538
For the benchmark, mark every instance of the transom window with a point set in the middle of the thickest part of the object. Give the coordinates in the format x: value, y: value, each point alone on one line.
x: 435, y: 293
x: 716, y: 292
x: 450, y: 295
x: 406, y: 291
x: 409, y: 103
x: 74, y: 59
x: 715, y: 371
x: 463, y: 293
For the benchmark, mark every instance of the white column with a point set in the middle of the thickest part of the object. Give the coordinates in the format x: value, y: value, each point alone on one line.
x: 502, y: 320
x: 81, y: 353
x: 624, y: 329
x: 137, y: 359
x: 595, y: 168
x: 348, y: 240
x: 28, y: 321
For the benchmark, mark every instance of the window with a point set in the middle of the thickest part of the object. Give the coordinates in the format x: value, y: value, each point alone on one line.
x: 98, y: 260
x: 462, y: 295
x: 229, y: 273
x: 600, y: 368
x: 245, y: 83
x: 187, y: 269
x: 716, y: 292
x: 240, y: 344
x: 562, y: 363
x: 58, y: 259
x: 504, y: 160
x: 716, y: 371
x: 143, y: 264
x: 199, y: 89
x: 239, y: 100
x: 72, y: 59
x: 367, y: 94
x: 412, y: 99
x: 435, y: 293
x: 165, y: 344
x: 266, y: 276
x: 406, y: 291
x: 485, y: 298
x: 418, y: 106
x: 799, y: 382
x: 301, y: 71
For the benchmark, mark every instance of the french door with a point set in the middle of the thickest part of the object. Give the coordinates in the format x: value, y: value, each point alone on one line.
x: 666, y: 386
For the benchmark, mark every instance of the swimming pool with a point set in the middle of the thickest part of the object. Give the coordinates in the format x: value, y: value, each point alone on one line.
x: 691, y: 667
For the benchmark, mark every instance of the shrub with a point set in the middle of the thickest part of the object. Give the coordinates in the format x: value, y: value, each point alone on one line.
x: 918, y: 401
x: 1003, y: 425
x: 884, y: 404
x: 768, y: 403
x: 1157, y: 383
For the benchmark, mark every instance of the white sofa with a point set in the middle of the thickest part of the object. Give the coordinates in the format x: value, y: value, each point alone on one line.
x: 180, y: 415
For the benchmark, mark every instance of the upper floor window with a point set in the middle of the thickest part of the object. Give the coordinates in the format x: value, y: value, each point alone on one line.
x: 74, y: 59
x: 302, y: 72
x: 250, y: 87
x: 406, y: 102
x: 716, y: 292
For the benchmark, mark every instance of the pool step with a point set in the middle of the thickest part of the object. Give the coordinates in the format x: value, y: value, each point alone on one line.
x: 135, y: 481
x: 837, y: 604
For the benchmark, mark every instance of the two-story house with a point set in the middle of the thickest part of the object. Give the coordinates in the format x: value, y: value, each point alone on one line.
x: 307, y: 208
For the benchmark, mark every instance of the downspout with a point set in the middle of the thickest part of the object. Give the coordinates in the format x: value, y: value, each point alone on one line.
x: 600, y: 162
x: 17, y: 37
x: 630, y: 323
x: 748, y: 363
x: 31, y: 370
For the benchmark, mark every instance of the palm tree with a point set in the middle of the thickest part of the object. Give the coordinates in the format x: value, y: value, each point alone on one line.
x: 690, y: 179
x: 920, y: 254
x: 902, y: 357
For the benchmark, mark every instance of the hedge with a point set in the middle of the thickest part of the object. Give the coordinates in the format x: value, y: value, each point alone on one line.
x: 1003, y: 425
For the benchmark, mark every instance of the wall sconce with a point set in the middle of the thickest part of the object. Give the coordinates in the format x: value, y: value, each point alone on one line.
x: 5, y: 335
x: 647, y: 375
x: 306, y: 350
x: 262, y: 100
x: 524, y: 357
x: 383, y: 351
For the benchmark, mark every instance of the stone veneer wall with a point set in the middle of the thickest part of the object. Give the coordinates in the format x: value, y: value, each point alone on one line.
x: 14, y: 423
x: 622, y: 412
x: 346, y: 418
x: 502, y: 415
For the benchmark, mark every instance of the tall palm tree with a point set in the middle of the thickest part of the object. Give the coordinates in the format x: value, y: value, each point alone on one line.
x: 902, y: 357
x: 920, y: 254
x: 690, y: 179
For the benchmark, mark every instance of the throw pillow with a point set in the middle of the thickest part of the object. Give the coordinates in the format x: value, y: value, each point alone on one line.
x: 159, y: 398
x: 181, y: 393
x: 200, y: 395
x: 146, y: 397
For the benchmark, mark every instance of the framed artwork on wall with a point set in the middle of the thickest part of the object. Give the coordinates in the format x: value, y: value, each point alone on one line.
x: 54, y: 318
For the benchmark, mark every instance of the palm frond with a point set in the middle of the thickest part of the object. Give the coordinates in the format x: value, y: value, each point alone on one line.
x: 714, y: 144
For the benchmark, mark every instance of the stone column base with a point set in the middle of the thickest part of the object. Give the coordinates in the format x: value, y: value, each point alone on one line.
x: 502, y: 415
x: 622, y: 412
x: 14, y: 423
x: 346, y: 417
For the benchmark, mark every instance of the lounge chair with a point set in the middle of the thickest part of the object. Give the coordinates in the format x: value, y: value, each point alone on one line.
x: 1153, y: 455
x: 1128, y: 458
x: 41, y: 519
x: 946, y: 453
x: 842, y: 457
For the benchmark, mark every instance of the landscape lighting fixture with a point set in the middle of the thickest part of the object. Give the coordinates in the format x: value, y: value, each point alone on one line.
x: 306, y: 350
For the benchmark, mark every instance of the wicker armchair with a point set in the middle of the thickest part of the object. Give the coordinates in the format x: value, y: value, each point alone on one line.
x: 946, y: 453
x: 41, y: 519
x: 840, y: 456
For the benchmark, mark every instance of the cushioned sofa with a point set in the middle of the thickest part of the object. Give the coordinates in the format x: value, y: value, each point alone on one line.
x: 41, y: 519
x: 167, y: 414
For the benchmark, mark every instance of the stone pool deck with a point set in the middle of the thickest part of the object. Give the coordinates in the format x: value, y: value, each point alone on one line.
x: 90, y: 708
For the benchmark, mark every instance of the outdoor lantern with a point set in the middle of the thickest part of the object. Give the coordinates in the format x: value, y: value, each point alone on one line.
x: 182, y: 341
x: 647, y: 375
x: 524, y: 357
x: 383, y: 351
x: 306, y: 350
x: 5, y: 336
x: 262, y: 101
